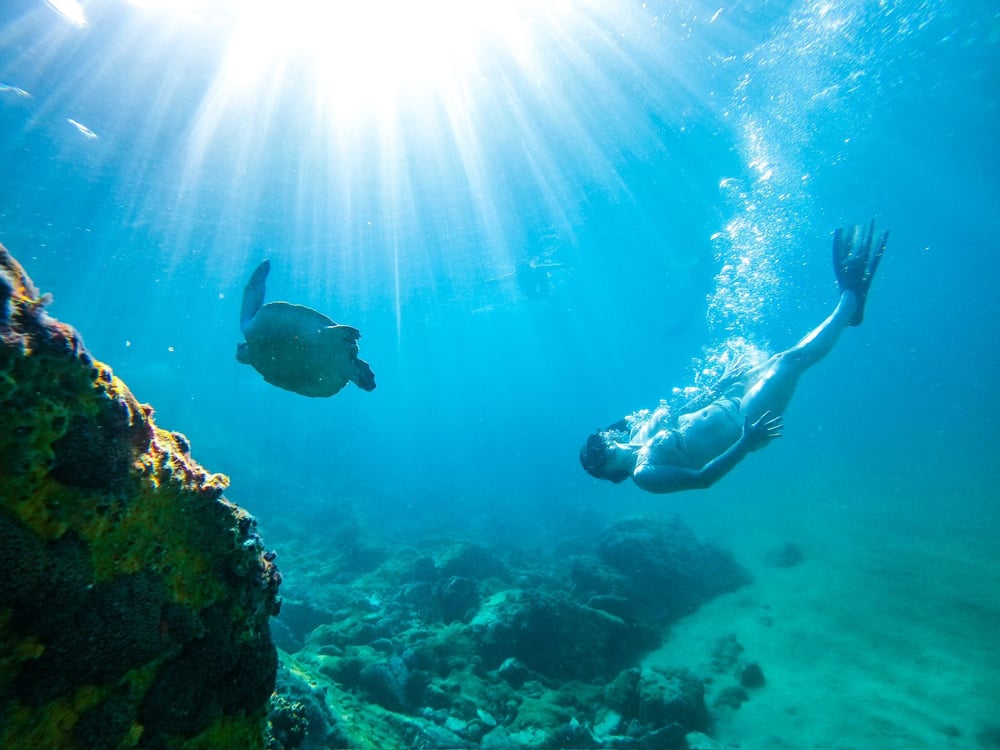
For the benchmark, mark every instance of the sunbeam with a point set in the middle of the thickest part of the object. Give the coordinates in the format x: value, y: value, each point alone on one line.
x: 476, y: 127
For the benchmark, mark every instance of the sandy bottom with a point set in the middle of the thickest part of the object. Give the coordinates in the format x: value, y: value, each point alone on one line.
x: 880, y: 638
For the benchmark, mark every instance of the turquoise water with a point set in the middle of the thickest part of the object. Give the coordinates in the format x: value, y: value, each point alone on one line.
x: 530, y: 221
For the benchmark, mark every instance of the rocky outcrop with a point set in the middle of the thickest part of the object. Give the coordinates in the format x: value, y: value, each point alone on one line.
x: 135, y: 610
x: 456, y: 645
x: 656, y: 569
x: 555, y: 636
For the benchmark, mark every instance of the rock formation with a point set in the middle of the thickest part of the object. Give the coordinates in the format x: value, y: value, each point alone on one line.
x: 135, y: 608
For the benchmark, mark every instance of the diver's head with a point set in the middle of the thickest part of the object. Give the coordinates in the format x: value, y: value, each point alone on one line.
x: 601, y: 457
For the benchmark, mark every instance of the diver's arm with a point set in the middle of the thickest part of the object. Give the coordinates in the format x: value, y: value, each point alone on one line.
x: 665, y: 478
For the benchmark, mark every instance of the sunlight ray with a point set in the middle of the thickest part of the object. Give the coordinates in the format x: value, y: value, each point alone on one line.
x: 479, y: 126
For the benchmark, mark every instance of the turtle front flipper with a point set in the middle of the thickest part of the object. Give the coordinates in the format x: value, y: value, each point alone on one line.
x: 253, y: 294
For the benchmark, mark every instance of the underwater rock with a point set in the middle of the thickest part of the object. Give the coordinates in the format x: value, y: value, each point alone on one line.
x: 622, y: 693
x: 498, y: 739
x: 554, y: 635
x: 664, y: 567
x: 427, y: 734
x: 299, y: 717
x: 672, y: 696
x: 298, y: 619
x: 421, y: 657
x: 574, y: 736
x: 424, y: 570
x: 514, y: 672
x: 659, y: 698
x: 137, y: 610
x: 988, y: 737
x: 459, y: 599
x: 619, y: 606
x: 419, y: 595
x: 529, y: 670
x: 669, y: 737
x: 593, y: 579
x: 471, y: 561
x: 726, y: 653
x: 389, y: 683
x: 751, y: 675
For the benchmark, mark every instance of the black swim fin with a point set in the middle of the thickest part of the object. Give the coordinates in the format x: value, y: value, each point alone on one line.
x: 855, y: 263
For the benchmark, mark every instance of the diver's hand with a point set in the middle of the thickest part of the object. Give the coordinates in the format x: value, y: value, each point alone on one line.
x: 758, y: 434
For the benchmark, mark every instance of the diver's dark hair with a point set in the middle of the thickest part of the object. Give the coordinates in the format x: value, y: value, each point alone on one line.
x: 594, y: 456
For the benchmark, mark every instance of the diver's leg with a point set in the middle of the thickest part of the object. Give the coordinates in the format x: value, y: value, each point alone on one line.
x: 816, y: 344
x: 855, y: 263
x: 773, y: 385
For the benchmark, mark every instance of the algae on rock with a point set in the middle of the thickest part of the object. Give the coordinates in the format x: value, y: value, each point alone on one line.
x: 135, y: 609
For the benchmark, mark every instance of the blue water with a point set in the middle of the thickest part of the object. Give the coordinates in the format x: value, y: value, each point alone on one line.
x: 637, y: 151
x: 631, y: 152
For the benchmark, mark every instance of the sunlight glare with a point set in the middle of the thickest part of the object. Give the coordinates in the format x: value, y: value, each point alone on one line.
x: 400, y: 136
x: 362, y: 53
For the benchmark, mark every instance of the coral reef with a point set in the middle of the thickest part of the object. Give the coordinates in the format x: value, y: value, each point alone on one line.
x: 437, y: 644
x: 135, y: 610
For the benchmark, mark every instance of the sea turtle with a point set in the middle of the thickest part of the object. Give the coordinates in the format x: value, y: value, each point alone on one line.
x: 297, y: 348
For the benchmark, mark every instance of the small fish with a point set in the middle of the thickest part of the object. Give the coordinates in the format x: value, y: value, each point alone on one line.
x: 5, y: 89
x: 70, y: 10
x: 84, y: 130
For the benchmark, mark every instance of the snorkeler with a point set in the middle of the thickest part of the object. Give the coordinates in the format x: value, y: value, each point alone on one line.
x: 693, y: 451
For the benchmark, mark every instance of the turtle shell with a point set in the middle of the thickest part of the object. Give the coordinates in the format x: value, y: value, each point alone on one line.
x: 301, y: 350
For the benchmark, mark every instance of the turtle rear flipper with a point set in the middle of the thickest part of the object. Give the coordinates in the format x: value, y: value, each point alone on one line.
x: 243, y: 353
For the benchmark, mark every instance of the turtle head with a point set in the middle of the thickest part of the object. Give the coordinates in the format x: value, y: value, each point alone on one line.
x: 363, y: 376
